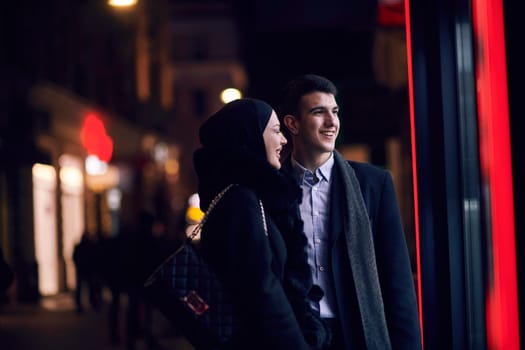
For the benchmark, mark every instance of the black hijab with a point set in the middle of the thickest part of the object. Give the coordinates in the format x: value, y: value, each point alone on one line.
x: 233, y: 151
x: 238, y: 125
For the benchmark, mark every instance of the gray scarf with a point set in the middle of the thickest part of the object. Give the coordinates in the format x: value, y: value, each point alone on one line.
x: 362, y: 258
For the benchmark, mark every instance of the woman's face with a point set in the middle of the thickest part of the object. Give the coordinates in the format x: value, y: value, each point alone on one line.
x: 274, y: 141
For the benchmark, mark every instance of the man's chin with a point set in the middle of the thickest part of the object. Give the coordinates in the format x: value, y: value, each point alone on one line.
x: 328, y: 149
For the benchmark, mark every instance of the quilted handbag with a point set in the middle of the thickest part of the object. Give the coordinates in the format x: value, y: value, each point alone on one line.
x: 188, y: 293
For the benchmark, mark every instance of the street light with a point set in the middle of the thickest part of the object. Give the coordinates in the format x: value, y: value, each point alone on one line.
x: 230, y: 94
x: 122, y: 3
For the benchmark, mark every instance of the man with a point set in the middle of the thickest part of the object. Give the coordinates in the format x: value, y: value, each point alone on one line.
x: 356, y: 244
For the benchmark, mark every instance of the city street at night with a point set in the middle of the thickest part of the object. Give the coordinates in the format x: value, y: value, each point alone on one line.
x: 54, y: 324
x: 400, y: 120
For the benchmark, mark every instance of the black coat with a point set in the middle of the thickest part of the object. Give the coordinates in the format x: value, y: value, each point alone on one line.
x: 252, y: 265
x: 268, y: 274
x: 392, y: 259
x: 393, y: 263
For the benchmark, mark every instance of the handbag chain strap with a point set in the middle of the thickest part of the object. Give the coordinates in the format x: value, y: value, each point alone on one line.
x: 214, y: 202
x: 263, y: 217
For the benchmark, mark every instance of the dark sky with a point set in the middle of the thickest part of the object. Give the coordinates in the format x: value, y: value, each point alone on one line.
x: 279, y: 40
x: 333, y: 38
x: 282, y: 39
x: 277, y: 14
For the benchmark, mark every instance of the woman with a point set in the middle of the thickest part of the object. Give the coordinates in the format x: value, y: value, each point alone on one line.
x: 265, y: 268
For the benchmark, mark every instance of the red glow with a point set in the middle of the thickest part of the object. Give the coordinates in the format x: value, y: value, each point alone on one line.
x: 495, y: 156
x: 414, y: 163
x: 95, y: 139
x: 391, y: 14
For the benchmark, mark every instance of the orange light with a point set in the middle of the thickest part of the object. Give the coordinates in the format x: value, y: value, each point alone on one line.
x: 122, y: 3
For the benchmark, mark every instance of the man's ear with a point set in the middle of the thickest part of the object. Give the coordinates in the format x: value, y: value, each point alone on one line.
x: 291, y: 124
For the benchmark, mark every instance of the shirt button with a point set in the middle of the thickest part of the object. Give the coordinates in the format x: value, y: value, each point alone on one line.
x: 321, y: 268
x: 317, y: 240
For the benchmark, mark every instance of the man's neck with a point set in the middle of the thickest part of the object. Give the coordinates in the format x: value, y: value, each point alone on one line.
x: 311, y: 161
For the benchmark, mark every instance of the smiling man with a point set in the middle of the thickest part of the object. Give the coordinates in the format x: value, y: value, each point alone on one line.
x: 356, y: 245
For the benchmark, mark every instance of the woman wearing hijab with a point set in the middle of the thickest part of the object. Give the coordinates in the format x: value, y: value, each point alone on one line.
x: 265, y: 268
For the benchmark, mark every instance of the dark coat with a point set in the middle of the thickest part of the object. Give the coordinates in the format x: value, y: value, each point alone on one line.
x: 393, y: 263
x: 268, y: 274
x: 252, y: 265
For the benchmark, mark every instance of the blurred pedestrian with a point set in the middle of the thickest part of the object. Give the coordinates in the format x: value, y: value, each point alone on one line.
x: 6, y: 274
x: 85, y: 265
x: 142, y: 254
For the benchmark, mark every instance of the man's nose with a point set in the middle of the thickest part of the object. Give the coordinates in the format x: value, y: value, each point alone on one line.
x: 331, y: 118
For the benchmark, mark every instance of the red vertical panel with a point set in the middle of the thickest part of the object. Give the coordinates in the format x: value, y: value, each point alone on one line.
x: 495, y: 157
x: 414, y: 162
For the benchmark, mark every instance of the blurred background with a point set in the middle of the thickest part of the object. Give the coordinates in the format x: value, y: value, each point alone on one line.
x: 101, y: 101
x: 100, y: 107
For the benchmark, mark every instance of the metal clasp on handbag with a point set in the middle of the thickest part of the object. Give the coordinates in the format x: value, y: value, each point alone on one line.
x: 195, y: 303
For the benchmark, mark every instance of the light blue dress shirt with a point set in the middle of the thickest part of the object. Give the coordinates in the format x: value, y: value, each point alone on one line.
x: 315, y: 212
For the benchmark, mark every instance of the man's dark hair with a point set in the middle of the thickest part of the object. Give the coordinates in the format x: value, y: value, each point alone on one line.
x: 302, y: 85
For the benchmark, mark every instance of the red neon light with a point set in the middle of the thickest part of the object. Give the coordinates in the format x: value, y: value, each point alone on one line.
x: 391, y: 13
x: 495, y: 156
x: 414, y: 163
x: 94, y: 138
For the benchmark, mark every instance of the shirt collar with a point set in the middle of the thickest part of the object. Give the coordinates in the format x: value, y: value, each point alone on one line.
x: 324, y: 171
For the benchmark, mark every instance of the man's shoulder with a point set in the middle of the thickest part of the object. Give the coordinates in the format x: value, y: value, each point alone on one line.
x: 367, y: 170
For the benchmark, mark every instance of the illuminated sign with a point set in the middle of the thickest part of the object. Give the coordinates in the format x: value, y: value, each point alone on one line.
x: 95, y: 139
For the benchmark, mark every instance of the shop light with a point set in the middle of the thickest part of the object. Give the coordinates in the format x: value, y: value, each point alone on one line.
x: 95, y: 166
x: 44, y: 172
x: 71, y: 176
x: 113, y: 198
x: 160, y: 152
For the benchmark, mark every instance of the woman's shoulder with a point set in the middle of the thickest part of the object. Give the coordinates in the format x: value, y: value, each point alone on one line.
x: 241, y: 194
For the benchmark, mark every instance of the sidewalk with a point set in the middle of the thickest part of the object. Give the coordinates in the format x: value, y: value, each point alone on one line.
x: 54, y: 324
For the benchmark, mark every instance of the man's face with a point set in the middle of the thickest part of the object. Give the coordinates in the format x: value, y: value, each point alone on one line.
x: 318, y: 124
